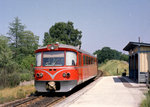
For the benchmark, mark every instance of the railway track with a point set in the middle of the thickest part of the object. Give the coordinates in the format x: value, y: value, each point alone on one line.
x: 35, y: 102
x: 99, y: 74
x: 45, y: 102
x: 19, y: 102
x: 47, y: 99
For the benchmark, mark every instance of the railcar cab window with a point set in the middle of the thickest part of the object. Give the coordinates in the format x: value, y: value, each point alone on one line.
x: 71, y: 58
x: 53, y: 58
x: 38, y: 59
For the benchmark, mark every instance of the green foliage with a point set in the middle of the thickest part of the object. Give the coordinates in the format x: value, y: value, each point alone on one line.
x: 5, y: 52
x: 23, y: 43
x: 63, y: 33
x: 15, y: 31
x: 17, y: 55
x: 106, y: 53
x: 26, y: 76
x: 114, y: 67
x: 28, y: 43
x: 13, y: 79
x: 27, y: 61
x: 9, y: 98
x: 124, y: 57
x: 9, y: 80
x: 146, y: 102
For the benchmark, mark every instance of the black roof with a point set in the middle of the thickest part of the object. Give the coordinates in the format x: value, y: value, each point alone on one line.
x: 132, y: 45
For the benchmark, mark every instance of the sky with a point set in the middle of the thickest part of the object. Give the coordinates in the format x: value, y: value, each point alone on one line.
x: 111, y: 23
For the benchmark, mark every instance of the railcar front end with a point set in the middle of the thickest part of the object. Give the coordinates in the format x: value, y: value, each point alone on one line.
x: 55, y: 69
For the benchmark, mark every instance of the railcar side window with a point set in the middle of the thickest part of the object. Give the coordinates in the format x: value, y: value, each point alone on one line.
x: 91, y: 60
x: 38, y: 59
x: 84, y: 60
x: 80, y: 61
x: 53, y: 58
x: 71, y: 58
x: 87, y: 60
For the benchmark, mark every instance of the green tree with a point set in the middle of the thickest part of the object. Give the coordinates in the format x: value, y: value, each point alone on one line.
x: 63, y: 33
x: 28, y: 43
x: 27, y: 61
x: 106, y: 53
x: 15, y: 31
x: 5, y: 52
x: 23, y: 43
x: 19, y: 46
x: 124, y: 57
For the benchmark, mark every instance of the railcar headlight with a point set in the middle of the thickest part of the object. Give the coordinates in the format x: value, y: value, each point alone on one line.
x: 68, y: 75
x: 41, y: 74
x: 52, y: 47
x: 38, y: 75
x: 64, y: 75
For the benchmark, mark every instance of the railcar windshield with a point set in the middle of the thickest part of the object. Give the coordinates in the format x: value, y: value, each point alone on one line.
x: 53, y: 58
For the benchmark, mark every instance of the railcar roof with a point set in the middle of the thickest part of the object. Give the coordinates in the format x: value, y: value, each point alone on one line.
x: 72, y: 47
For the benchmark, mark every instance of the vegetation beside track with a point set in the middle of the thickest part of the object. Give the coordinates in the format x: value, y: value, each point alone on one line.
x: 11, y: 94
x: 146, y: 101
x: 113, y: 67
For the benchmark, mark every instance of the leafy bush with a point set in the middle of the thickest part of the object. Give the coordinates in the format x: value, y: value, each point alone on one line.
x: 106, y: 53
x: 14, y: 78
x: 16, y: 57
x: 26, y: 76
x: 13, y: 67
x: 27, y: 61
x: 146, y: 102
x: 9, y: 80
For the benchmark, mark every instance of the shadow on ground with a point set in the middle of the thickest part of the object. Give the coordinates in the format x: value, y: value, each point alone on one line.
x: 121, y: 79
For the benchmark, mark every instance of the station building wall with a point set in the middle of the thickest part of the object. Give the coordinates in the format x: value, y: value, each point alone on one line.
x: 139, y: 60
x: 144, y: 62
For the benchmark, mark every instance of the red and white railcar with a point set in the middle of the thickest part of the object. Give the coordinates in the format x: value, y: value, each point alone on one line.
x: 61, y: 67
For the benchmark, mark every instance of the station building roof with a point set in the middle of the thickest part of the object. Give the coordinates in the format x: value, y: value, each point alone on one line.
x: 132, y: 45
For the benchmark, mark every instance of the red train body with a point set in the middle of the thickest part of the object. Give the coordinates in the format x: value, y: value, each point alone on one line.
x: 61, y: 67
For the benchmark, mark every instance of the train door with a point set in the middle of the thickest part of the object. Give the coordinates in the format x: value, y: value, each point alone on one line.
x: 80, y: 67
x: 84, y: 67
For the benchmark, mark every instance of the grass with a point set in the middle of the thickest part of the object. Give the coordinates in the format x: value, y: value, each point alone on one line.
x: 146, y: 101
x: 114, y: 67
x: 11, y: 94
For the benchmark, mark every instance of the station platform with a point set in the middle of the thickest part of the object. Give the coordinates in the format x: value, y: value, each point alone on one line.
x: 109, y: 91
